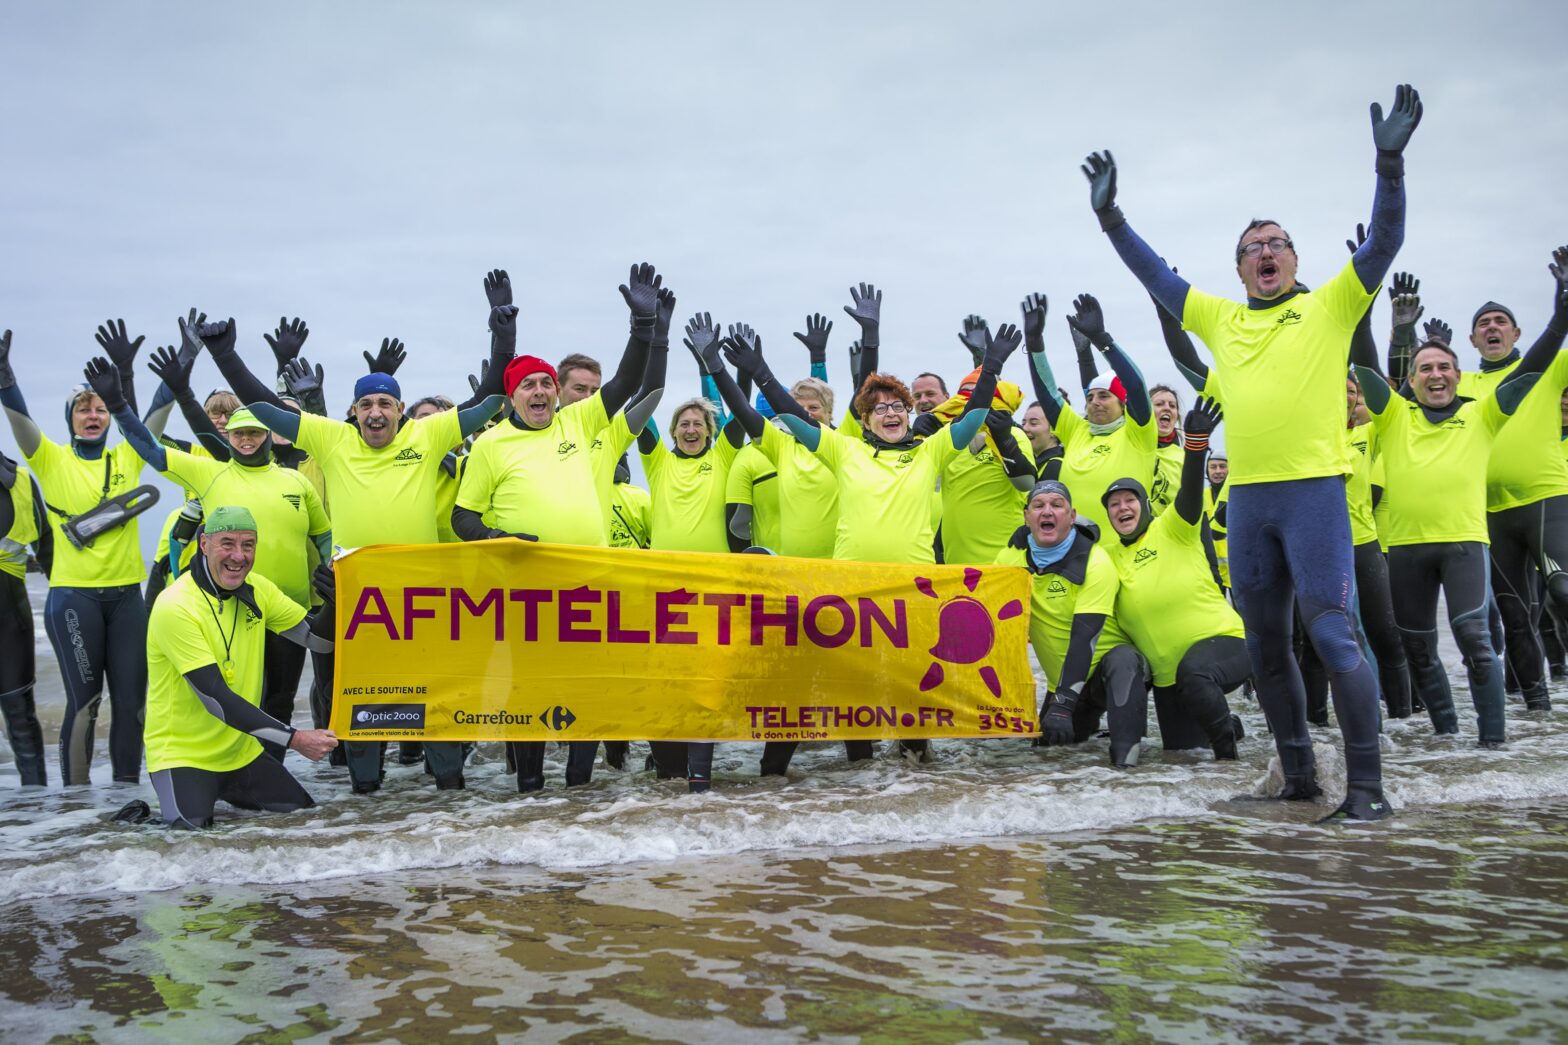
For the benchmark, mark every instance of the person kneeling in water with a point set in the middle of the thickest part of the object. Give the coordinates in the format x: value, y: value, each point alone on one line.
x: 205, y: 651
x: 1170, y: 606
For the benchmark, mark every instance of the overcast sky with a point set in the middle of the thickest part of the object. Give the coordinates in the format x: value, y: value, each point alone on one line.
x: 363, y: 165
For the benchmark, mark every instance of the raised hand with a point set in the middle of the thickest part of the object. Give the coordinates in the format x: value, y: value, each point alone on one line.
x: 702, y: 341
x: 1354, y: 245
x: 977, y: 333
x: 1558, y: 268
x: 664, y: 316
x: 474, y: 381
x: 503, y: 320
x: 818, y: 327
x: 104, y: 378
x: 1405, y: 299
x: 219, y: 335
x: 1437, y: 330
x: 498, y: 288
x: 304, y: 384
x: 388, y: 357
x: 190, y: 327
x: 120, y: 349
x: 1203, y: 419
x: 287, y: 340
x: 743, y: 348
x: 1034, y: 309
x: 867, y: 311
x: 1089, y: 321
x: 1004, y: 344
x: 1100, y: 169
x: 1392, y: 133
x: 173, y: 369
x: 641, y: 291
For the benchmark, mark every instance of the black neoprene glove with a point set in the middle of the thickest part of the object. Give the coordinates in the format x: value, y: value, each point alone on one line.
x: 1034, y: 310
x: 305, y: 384
x: 498, y: 287
x: 818, y: 327
x: 743, y: 348
x: 867, y: 311
x: 641, y: 291
x: 1089, y: 321
x: 1000, y: 347
x: 1056, y: 725
x: 663, y: 316
x: 1100, y: 169
x: 1436, y: 330
x: 104, y: 378
x: 1392, y: 133
x: 7, y: 375
x: 1201, y: 421
x: 287, y: 340
x: 702, y: 341
x: 388, y: 357
x: 173, y: 369
x: 121, y: 351
x: 976, y: 333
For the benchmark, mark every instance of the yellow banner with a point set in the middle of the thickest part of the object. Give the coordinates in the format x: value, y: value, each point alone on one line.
x: 508, y: 640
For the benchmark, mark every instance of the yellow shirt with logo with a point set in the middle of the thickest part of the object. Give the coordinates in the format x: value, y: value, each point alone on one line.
x: 808, y: 492
x: 73, y: 485
x: 1526, y: 465
x: 1217, y: 532
x: 1168, y: 599
x: 1435, y: 487
x: 981, y: 508
x: 884, y: 497
x: 630, y: 507
x: 1055, y: 600
x: 24, y: 528
x: 189, y: 629
x: 688, y: 496
x: 1361, y: 446
x: 1283, y: 371
x: 541, y: 481
x: 1168, y: 462
x: 1092, y: 462
x: 385, y: 496
x: 754, y: 481
x: 287, y: 511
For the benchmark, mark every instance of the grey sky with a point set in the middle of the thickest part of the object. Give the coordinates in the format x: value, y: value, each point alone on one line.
x: 362, y: 165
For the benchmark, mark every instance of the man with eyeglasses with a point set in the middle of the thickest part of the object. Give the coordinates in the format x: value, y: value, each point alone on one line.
x: 1281, y: 359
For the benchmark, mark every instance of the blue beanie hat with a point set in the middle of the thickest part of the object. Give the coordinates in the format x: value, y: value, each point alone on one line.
x: 371, y: 384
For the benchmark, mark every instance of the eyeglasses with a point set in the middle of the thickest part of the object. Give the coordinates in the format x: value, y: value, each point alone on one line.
x: 889, y: 408
x: 1277, y: 245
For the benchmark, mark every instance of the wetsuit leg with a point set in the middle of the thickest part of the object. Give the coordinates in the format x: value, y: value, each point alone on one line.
x: 669, y: 759
x: 284, y: 663
x: 920, y: 748
x: 1377, y: 618
x: 776, y: 755
x: 1208, y: 670
x: 263, y: 784
x: 1261, y: 584
x: 1314, y: 677
x: 1552, y: 639
x: 445, y: 759
x: 860, y: 750
x: 615, y: 753
x: 528, y: 757
x: 125, y: 660
x: 580, y: 756
x: 1464, y: 568
x: 186, y: 796
x: 411, y: 753
x: 1120, y: 685
x: 157, y: 580
x: 366, y: 764
x: 1513, y: 532
x: 1178, y: 731
x: 1414, y: 577
x: 17, y: 675
x: 699, y: 767
x: 74, y: 621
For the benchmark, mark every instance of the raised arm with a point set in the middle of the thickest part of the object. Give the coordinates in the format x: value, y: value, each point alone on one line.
x: 1045, y: 387
x: 1169, y: 289
x: 866, y: 310
x: 1090, y: 322
x: 818, y: 327
x: 1201, y: 421
x: 1018, y: 468
x: 173, y: 370
x: 639, y: 411
x: 746, y: 356
x: 277, y: 418
x: 744, y: 419
x: 1513, y: 388
x: 1182, y: 351
x: 997, y: 350
x: 1386, y: 235
x: 472, y: 418
x: 219, y: 339
x: 104, y: 378
x: 121, y: 350
x: 641, y: 292
x: 28, y: 435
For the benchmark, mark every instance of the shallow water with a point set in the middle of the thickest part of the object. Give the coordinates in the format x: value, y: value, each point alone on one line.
x: 999, y: 892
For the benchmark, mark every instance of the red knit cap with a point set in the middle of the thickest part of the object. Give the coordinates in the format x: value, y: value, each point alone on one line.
x: 1109, y: 382
x: 520, y: 368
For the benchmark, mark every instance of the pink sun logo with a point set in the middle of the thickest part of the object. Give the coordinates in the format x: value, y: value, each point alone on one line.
x: 965, y: 632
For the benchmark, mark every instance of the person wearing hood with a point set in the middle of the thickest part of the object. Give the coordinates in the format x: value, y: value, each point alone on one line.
x: 94, y: 614
x: 1169, y: 606
x: 885, y: 476
x: 1091, y: 667
x: 285, y: 504
x: 1526, y: 497
x: 206, y: 653
x: 1116, y: 436
x: 1436, y: 450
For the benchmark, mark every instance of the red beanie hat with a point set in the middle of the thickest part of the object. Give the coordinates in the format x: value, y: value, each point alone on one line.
x: 1109, y: 382
x: 520, y: 368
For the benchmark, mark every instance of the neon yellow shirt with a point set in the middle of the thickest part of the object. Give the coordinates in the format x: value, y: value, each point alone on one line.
x: 1168, y: 462
x: 288, y: 513
x: 73, y: 486
x: 1361, y: 445
x: 1217, y: 532
x: 884, y: 497
x: 754, y: 481
x: 1525, y: 466
x: 1093, y: 462
x: 688, y: 496
x: 808, y: 491
x: 385, y: 496
x: 1055, y: 600
x: 981, y: 508
x: 24, y: 529
x: 1379, y: 480
x: 541, y: 481
x: 606, y: 448
x: 1283, y: 370
x: 1436, y: 474
x: 630, y: 508
x: 189, y: 629
x: 1168, y: 598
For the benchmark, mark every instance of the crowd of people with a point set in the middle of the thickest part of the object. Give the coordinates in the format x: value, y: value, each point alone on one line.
x: 1359, y: 485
